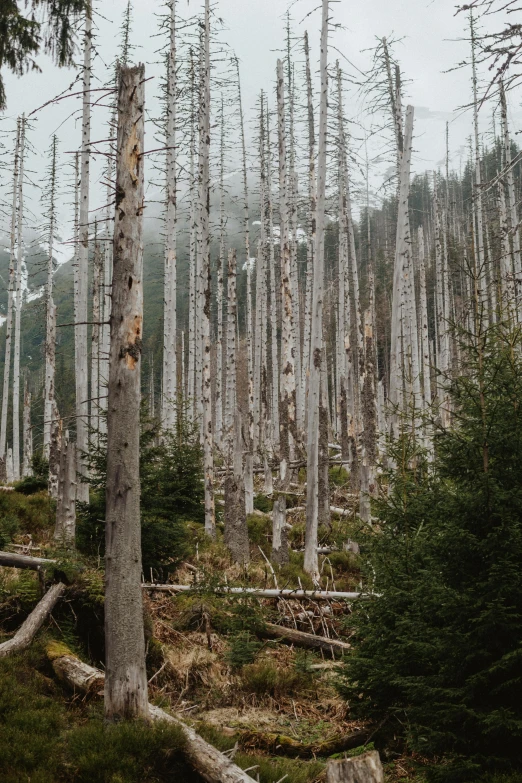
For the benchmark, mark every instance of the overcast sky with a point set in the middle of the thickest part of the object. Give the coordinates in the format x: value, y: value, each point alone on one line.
x: 429, y: 31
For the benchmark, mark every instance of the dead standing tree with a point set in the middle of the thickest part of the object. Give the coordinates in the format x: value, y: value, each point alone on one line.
x: 126, y: 678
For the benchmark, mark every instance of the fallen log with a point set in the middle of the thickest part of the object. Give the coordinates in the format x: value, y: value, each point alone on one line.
x: 315, y: 595
x: 302, y: 639
x: 280, y: 745
x: 30, y: 627
x: 366, y: 768
x: 14, y: 560
x: 210, y: 763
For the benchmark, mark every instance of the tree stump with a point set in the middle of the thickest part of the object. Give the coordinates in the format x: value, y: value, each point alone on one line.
x: 361, y: 769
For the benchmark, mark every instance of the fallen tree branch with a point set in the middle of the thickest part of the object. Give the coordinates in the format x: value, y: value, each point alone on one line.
x: 280, y: 745
x: 316, y: 595
x: 302, y: 639
x: 30, y: 627
x: 210, y: 763
x: 13, y: 560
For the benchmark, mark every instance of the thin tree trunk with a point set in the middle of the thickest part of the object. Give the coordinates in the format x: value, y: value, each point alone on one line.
x: 316, y: 345
x: 312, y: 207
x: 10, y: 296
x: 230, y: 400
x: 288, y: 391
x: 169, y: 397
x: 82, y: 380
x: 27, y: 464
x: 220, y: 275
x: 97, y: 283
x: 18, y: 310
x: 204, y: 208
x: 126, y: 677
x: 274, y: 288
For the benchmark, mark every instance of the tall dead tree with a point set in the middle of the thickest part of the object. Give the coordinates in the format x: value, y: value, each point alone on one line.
x: 168, y: 413
x: 287, y: 408
x: 126, y: 677
x: 50, y: 331
x: 18, y: 307
x: 316, y: 342
x: 27, y: 434
x: 204, y: 210
x: 82, y: 258
x: 10, y: 297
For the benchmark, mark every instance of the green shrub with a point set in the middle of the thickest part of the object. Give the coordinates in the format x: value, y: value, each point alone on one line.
x: 242, y: 650
x: 339, y: 476
x: 171, y: 495
x: 259, y: 529
x: 33, y: 513
x: 9, y: 527
x: 263, y: 503
x: 38, y: 482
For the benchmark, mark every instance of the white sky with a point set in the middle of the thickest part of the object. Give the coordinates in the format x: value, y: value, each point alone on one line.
x: 254, y: 29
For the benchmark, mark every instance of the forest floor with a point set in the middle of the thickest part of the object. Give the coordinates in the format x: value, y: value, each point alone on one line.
x: 274, y: 707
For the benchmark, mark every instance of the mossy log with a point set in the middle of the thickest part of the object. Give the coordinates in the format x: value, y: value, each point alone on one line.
x: 30, y: 627
x: 308, y: 640
x: 280, y: 745
x: 210, y: 763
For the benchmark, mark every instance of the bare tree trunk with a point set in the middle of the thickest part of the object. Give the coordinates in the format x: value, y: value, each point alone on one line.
x: 169, y: 397
x: 193, y: 335
x: 401, y: 261
x: 204, y: 204
x: 236, y: 531
x: 97, y: 282
x: 273, y: 295
x: 280, y: 554
x: 50, y: 335
x: 288, y: 391
x: 231, y: 354
x: 65, y: 530
x: 27, y: 464
x: 55, y: 452
x: 316, y: 345
x: 10, y: 296
x: 312, y: 208
x: 18, y: 310
x: 220, y: 275
x: 82, y: 380
x: 512, y: 204
x: 126, y: 677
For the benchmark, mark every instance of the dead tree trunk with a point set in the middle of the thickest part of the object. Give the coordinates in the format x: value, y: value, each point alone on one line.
x: 366, y: 768
x: 27, y: 434
x: 28, y: 630
x: 126, y: 680
x: 65, y: 529
x: 316, y: 340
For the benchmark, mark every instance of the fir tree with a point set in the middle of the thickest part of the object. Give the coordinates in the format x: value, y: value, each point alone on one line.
x: 438, y: 659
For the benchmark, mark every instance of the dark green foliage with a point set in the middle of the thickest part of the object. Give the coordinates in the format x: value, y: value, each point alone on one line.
x: 259, y: 530
x: 37, y: 25
x: 38, y: 481
x: 30, y: 514
x: 242, y: 650
x: 439, y: 653
x: 8, y: 528
x: 267, y: 678
x: 263, y: 503
x: 171, y: 496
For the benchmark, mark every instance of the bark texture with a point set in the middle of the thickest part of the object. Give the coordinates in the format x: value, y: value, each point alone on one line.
x: 361, y: 769
x: 126, y: 681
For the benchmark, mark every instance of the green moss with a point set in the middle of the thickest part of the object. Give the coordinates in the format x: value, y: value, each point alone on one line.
x: 44, y: 739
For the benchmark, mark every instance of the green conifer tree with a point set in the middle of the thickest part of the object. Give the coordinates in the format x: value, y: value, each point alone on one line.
x: 438, y: 656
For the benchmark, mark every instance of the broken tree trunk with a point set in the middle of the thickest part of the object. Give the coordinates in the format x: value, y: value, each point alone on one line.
x: 210, y: 763
x: 279, y: 553
x: 11, y: 560
x: 315, y: 595
x: 65, y: 530
x: 279, y: 745
x: 366, y: 768
x: 308, y: 640
x: 126, y: 681
x: 28, y: 630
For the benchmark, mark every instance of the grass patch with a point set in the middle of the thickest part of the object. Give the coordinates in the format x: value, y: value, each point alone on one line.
x: 34, y: 514
x: 266, y: 678
x: 45, y: 739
